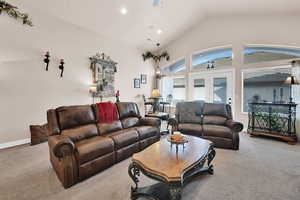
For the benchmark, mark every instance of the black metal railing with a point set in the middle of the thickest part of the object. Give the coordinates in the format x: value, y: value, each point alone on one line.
x: 273, y: 118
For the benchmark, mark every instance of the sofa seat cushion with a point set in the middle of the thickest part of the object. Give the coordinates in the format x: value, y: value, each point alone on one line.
x: 190, y: 129
x: 147, y: 131
x: 81, y: 132
x: 217, y: 131
x: 90, y: 149
x: 124, y: 137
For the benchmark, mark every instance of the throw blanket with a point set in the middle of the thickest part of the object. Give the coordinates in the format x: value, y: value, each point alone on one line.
x: 108, y: 112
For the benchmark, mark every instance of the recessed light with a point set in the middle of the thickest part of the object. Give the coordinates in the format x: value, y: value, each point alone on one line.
x: 159, y: 31
x: 123, y: 11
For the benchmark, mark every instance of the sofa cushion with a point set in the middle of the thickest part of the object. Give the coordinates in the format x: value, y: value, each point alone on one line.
x: 190, y: 129
x: 217, y: 131
x: 92, y: 148
x: 130, y: 122
x: 215, y: 120
x: 124, y: 137
x: 215, y: 109
x: 81, y: 132
x: 147, y: 131
x: 128, y: 109
x: 72, y: 116
x: 105, y: 128
x: 189, y: 112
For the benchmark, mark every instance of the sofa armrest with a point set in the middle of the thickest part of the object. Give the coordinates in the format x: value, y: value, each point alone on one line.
x: 234, y: 125
x: 61, y: 145
x: 150, y: 121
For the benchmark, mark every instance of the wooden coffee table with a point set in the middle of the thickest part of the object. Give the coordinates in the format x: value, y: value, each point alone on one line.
x: 172, y: 167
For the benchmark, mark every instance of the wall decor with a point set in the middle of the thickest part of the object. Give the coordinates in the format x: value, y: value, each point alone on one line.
x: 137, y: 83
x: 103, y: 72
x: 13, y: 12
x: 61, y: 67
x: 47, y: 60
x: 143, y: 79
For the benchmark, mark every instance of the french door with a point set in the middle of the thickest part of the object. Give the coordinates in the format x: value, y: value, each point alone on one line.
x: 212, y: 86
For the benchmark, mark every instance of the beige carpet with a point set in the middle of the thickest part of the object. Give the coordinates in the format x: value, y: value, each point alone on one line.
x: 262, y: 169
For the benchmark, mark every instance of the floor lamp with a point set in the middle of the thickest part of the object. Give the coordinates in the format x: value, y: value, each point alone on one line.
x: 291, y: 80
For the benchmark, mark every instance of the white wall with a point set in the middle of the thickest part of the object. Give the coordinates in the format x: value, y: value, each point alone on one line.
x: 237, y: 31
x: 27, y: 90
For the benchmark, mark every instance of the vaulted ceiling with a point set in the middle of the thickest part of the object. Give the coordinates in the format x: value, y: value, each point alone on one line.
x: 142, y: 20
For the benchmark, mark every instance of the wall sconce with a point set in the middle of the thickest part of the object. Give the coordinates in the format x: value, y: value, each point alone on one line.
x: 47, y: 60
x: 61, y: 67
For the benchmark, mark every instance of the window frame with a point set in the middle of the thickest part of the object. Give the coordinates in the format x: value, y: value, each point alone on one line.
x: 252, y: 69
x: 274, y: 62
x: 172, y: 63
x: 192, y: 70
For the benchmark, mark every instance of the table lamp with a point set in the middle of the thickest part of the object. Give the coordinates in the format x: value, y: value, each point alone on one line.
x: 155, y: 93
x: 291, y: 80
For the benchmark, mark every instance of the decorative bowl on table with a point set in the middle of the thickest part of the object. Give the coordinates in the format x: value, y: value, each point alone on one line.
x: 177, y: 138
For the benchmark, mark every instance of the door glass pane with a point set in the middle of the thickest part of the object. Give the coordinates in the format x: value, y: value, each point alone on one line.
x: 220, y: 90
x: 178, y: 90
x: 199, y: 89
x: 173, y: 89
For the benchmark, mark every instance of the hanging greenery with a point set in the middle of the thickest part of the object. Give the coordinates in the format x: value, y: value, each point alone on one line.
x: 156, y: 58
x: 13, y: 12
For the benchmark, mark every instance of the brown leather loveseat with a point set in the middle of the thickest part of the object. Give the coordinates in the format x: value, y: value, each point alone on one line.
x: 209, y: 121
x: 80, y: 146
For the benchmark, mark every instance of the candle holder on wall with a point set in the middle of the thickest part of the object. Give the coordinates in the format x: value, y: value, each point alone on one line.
x: 61, y: 67
x: 47, y: 60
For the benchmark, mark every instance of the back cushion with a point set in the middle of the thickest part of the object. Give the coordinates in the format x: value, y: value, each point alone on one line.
x: 109, y: 127
x: 130, y: 122
x: 128, y: 109
x: 81, y: 132
x: 215, y: 120
x: 215, y: 109
x: 73, y: 116
x: 189, y: 112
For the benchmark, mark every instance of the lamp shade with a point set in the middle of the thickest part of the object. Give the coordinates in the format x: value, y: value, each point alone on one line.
x: 93, y: 89
x: 291, y: 80
x: 155, y: 93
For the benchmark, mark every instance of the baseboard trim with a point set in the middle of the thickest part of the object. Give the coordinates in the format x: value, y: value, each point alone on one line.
x: 14, y: 143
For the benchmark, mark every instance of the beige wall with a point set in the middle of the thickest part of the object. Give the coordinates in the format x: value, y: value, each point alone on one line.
x: 237, y: 32
x: 27, y: 90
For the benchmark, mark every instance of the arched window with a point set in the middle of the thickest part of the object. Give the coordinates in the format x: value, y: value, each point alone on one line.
x: 176, y: 67
x: 255, y: 54
x: 216, y: 58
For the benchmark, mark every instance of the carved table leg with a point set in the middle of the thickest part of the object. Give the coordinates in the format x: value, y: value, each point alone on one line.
x: 175, y: 190
x: 210, y: 157
x: 134, y: 173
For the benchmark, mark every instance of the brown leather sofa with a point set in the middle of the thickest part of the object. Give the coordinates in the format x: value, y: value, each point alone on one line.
x: 209, y: 121
x: 80, y: 146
